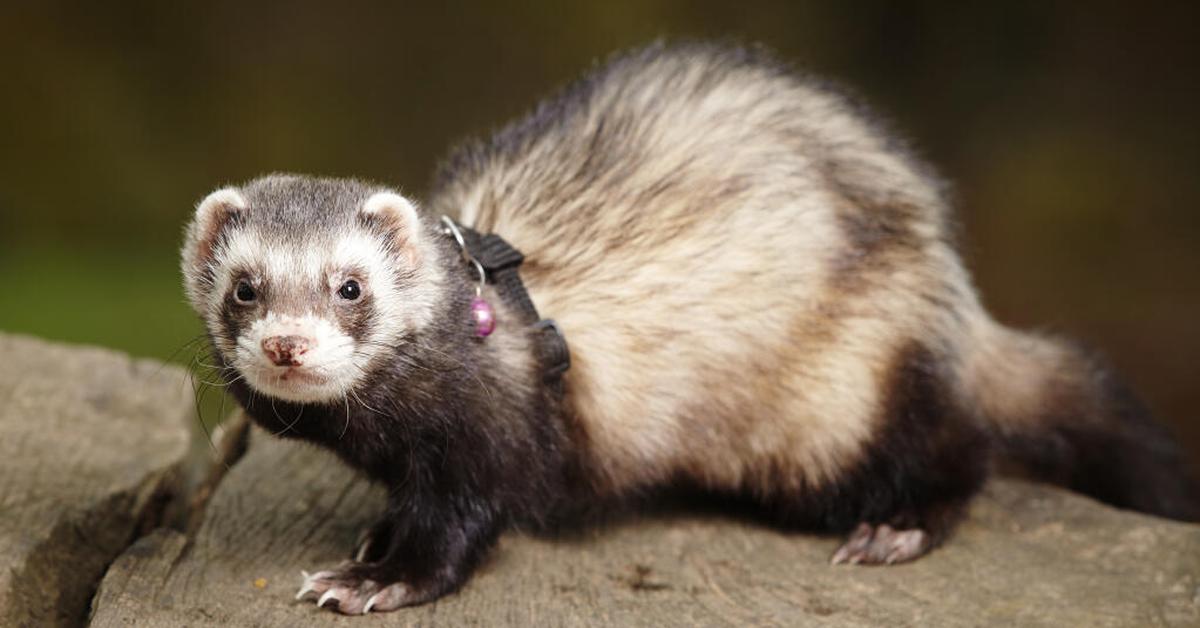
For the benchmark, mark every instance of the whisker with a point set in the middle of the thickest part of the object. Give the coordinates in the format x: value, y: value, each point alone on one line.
x: 174, y: 354
x: 198, y: 399
x: 289, y: 425
x: 364, y: 404
x: 471, y: 372
x: 347, y: 426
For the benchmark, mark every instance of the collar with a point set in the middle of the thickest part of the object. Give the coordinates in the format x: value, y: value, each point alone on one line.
x: 497, y: 262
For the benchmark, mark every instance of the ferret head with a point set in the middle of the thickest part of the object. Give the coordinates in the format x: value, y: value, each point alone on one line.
x: 303, y: 283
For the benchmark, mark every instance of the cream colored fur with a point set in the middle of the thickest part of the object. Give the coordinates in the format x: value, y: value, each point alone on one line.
x: 725, y: 320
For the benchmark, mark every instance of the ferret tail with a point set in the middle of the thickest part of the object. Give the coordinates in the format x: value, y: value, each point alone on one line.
x: 1061, y: 416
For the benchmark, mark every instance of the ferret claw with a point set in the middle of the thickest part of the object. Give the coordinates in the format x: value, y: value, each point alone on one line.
x: 881, y: 545
x: 342, y: 591
x: 311, y: 583
x: 851, y: 552
x: 306, y: 586
x: 326, y: 597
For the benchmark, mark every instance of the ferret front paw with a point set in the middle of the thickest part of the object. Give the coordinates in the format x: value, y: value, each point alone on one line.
x: 348, y: 593
x: 882, y: 545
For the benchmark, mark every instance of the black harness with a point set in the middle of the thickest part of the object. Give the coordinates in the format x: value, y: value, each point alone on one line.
x: 500, y: 262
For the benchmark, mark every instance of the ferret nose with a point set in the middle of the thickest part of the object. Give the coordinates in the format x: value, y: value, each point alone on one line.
x: 285, y: 350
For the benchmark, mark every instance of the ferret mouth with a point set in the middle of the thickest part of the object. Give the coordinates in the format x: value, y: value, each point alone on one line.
x: 299, y: 384
x: 299, y: 376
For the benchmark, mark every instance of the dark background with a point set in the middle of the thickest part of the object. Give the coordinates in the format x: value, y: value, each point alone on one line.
x: 1071, y: 134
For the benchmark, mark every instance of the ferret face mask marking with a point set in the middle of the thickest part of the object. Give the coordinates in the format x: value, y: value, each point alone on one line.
x: 296, y: 310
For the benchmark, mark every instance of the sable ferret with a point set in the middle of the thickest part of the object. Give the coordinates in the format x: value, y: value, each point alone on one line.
x: 761, y: 297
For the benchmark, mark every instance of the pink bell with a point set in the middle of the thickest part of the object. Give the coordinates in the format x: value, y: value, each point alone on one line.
x: 484, y: 316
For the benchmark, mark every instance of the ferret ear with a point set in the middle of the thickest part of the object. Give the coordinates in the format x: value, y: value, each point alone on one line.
x: 213, y: 215
x: 397, y: 216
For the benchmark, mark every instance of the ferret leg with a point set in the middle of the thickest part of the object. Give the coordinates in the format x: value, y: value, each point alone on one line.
x: 922, y: 468
x: 374, y: 543
x: 423, y: 548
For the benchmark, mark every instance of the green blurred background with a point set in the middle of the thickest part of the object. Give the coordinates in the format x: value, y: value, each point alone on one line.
x: 1071, y: 133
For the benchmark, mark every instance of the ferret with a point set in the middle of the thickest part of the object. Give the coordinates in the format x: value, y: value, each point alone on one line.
x: 763, y: 304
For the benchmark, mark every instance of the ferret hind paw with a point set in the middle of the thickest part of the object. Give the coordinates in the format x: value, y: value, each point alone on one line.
x: 881, y: 545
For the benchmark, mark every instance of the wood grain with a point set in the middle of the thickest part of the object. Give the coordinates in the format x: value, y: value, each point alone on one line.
x: 1029, y: 555
x: 90, y: 442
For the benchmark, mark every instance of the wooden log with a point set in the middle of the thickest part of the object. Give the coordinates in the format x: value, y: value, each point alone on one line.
x: 1028, y: 555
x: 91, y: 446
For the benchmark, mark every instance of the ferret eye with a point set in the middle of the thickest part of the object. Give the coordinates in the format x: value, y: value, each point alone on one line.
x: 244, y: 293
x: 350, y: 290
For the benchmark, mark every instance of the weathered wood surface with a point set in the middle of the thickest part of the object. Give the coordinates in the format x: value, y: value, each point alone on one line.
x: 89, y: 441
x: 1028, y: 556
